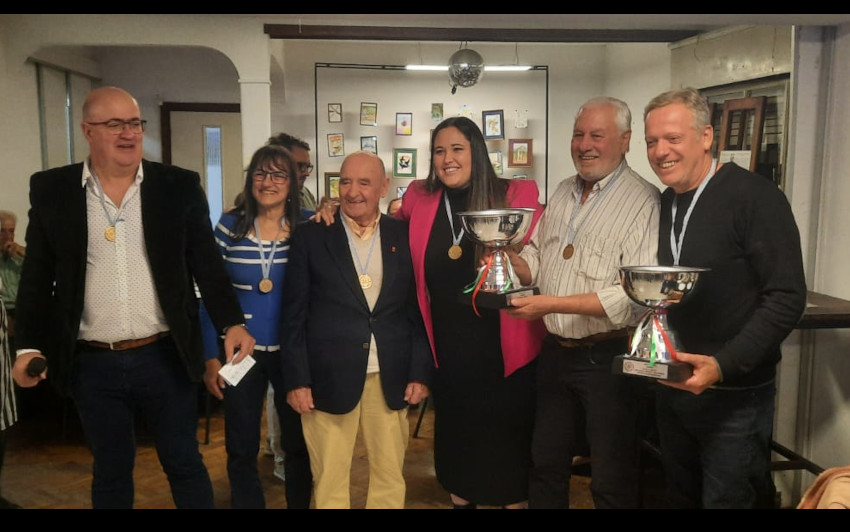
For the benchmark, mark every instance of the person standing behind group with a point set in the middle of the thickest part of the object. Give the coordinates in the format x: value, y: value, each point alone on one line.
x: 484, y: 383
x: 115, y: 245
x: 11, y: 262
x: 715, y: 428
x: 300, y: 151
x: 254, y: 241
x: 604, y: 217
x: 354, y: 348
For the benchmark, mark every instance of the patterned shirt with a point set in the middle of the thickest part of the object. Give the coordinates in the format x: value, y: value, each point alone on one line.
x: 616, y: 226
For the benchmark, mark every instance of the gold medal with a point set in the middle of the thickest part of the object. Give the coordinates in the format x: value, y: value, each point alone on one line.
x: 365, y: 281
x: 455, y: 252
x: 568, y: 252
x: 110, y: 233
x: 266, y: 285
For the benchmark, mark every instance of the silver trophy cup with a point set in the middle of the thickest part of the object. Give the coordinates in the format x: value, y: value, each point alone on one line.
x: 495, y: 229
x: 653, y: 346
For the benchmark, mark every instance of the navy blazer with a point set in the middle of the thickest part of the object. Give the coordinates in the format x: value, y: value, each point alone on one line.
x: 180, y: 247
x: 326, y: 324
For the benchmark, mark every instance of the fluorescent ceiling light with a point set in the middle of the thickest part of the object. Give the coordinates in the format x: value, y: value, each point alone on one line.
x: 491, y: 68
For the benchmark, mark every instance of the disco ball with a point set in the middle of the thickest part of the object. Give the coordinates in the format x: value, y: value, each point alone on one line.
x: 465, y: 68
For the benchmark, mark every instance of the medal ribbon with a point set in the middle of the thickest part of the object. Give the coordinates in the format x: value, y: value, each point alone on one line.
x: 676, y: 246
x: 455, y: 239
x: 573, y: 232
x: 265, y: 266
x: 112, y: 221
x: 360, y: 266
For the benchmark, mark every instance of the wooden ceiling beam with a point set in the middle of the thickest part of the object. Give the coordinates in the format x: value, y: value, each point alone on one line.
x: 393, y: 33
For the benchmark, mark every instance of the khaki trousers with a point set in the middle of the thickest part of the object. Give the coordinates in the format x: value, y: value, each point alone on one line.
x: 331, y: 439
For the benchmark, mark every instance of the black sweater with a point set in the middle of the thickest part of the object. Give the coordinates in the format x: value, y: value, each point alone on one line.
x: 742, y: 228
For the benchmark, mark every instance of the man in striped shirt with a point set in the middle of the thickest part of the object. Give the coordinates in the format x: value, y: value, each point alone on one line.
x: 604, y: 217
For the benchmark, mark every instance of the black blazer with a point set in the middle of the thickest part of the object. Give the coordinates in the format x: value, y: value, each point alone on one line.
x: 327, y: 325
x: 180, y: 248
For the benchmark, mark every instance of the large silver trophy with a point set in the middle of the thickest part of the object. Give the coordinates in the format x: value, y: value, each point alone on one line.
x: 653, y: 346
x: 496, y: 229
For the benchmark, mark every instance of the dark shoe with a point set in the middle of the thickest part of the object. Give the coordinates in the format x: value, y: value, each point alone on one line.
x: 8, y: 505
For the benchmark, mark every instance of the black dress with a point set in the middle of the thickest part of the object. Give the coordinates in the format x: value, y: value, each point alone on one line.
x: 483, y: 421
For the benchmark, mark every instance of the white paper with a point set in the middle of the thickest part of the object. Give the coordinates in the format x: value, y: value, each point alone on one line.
x: 233, y: 373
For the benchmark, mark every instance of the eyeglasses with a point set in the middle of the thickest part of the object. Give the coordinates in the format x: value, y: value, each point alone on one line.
x: 116, y: 126
x: 305, y: 167
x: 277, y: 178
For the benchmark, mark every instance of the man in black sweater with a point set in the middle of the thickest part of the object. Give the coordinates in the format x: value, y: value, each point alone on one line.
x: 715, y: 428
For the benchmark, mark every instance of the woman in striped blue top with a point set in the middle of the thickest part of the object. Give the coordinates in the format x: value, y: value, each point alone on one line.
x: 254, y: 241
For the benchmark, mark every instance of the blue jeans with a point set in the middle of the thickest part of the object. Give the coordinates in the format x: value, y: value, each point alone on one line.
x: 715, y: 447
x: 110, y: 388
x: 578, y: 399
x: 243, y: 411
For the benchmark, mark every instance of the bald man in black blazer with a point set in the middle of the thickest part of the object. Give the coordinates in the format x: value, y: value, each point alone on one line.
x: 114, y: 247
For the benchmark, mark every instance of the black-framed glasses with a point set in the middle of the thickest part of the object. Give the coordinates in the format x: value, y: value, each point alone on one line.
x: 277, y: 178
x: 305, y: 167
x: 116, y: 126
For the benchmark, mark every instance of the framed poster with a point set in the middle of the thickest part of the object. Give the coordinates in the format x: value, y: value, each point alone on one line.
x: 437, y: 112
x: 334, y: 112
x: 519, y: 153
x: 332, y: 185
x: 369, y: 144
x: 368, y: 114
x: 399, y: 191
x: 404, y: 162
x: 336, y: 145
x: 493, y: 122
x: 404, y: 123
x: 496, y: 161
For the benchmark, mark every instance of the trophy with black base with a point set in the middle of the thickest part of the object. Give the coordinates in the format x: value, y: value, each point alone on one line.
x: 653, y: 346
x: 495, y: 229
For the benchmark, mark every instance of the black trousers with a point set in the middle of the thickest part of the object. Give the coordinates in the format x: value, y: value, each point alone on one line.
x: 580, y: 400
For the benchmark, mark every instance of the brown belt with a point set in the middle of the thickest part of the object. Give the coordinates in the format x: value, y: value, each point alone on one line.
x: 125, y: 344
x: 590, y: 341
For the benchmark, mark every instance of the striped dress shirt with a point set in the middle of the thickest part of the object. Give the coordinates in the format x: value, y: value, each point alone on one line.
x: 613, y: 228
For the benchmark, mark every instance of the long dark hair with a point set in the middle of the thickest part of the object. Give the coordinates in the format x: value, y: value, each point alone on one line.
x: 266, y: 157
x: 486, y: 190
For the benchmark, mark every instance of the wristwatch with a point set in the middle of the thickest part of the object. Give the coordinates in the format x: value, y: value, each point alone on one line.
x: 245, y: 325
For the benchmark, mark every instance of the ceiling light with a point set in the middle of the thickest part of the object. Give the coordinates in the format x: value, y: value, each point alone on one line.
x: 488, y: 68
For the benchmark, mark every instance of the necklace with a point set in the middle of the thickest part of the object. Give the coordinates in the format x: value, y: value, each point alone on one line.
x: 676, y: 246
x: 572, y: 232
x: 265, y: 285
x: 110, y: 232
x: 363, y: 277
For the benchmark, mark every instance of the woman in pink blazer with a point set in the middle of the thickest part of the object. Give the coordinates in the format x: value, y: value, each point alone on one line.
x: 483, y: 391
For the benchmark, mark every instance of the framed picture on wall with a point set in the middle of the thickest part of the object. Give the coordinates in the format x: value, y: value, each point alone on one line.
x: 332, y: 185
x: 519, y: 153
x: 404, y: 123
x: 493, y: 124
x: 334, y: 112
x: 496, y: 161
x: 368, y: 114
x: 336, y: 145
x: 399, y: 191
x: 437, y: 112
x: 369, y: 144
x: 404, y: 162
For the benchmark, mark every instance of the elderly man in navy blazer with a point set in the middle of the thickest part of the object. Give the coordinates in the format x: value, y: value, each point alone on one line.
x: 114, y: 247
x: 354, y: 348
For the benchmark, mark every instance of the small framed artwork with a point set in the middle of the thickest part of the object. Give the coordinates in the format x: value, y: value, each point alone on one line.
x: 520, y: 176
x: 404, y: 123
x: 496, y: 161
x: 404, y: 162
x: 520, y: 153
x: 369, y: 144
x: 493, y: 124
x: 399, y: 191
x: 336, y: 145
x: 437, y: 112
x: 334, y: 112
x: 368, y: 114
x: 332, y: 185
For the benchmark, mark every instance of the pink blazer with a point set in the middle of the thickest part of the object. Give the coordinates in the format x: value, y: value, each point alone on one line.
x: 521, y: 339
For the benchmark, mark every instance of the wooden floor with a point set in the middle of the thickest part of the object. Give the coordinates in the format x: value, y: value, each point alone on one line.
x: 48, y: 466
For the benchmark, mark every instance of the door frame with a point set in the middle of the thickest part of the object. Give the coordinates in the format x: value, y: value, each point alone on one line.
x: 167, y: 108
